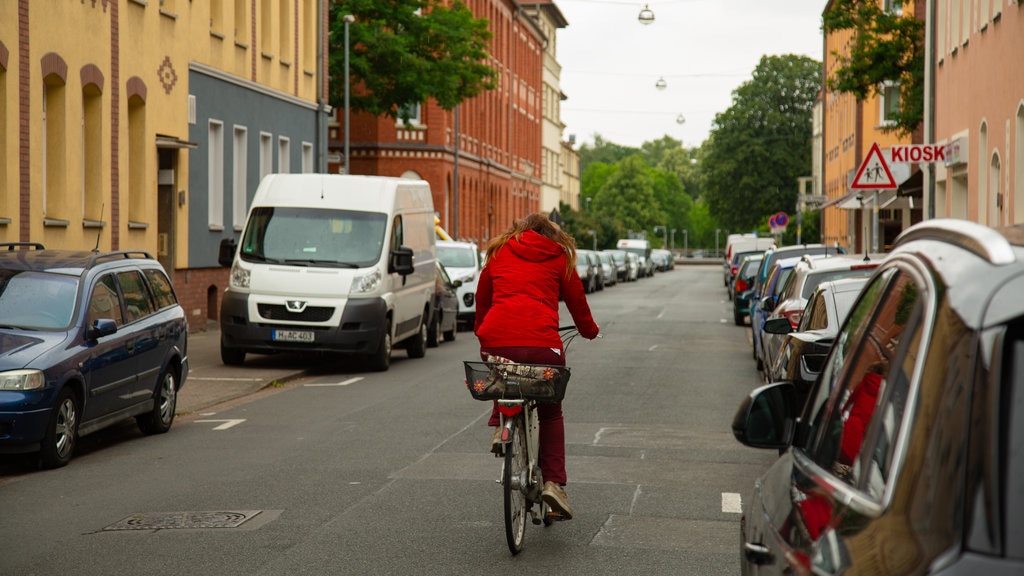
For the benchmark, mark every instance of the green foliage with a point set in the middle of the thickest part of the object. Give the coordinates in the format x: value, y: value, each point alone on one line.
x: 408, y: 51
x: 604, y: 152
x: 761, y: 144
x: 885, y: 47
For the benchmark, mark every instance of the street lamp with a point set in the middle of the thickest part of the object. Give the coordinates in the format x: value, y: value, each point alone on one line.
x: 588, y: 203
x: 672, y: 242
x: 661, y: 84
x: 594, y: 234
x: 646, y: 16
x: 717, y: 230
x: 348, y: 18
x: 686, y: 241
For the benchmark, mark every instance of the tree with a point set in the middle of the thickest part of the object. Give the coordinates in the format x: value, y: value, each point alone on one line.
x: 761, y: 144
x: 404, y: 52
x: 629, y: 196
x: 604, y: 152
x: 886, y: 48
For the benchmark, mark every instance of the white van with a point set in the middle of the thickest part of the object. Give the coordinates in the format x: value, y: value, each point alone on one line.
x: 641, y: 248
x: 331, y: 263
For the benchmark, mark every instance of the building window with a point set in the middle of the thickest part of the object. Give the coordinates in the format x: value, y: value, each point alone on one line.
x: 308, y: 166
x: 137, y: 197
x: 309, y: 34
x: 413, y: 111
x: 284, y: 22
x: 217, y: 16
x: 266, y: 154
x: 889, y: 103
x: 54, y: 157
x: 215, y: 184
x: 241, y: 22
x: 239, y: 182
x: 284, y: 151
x: 92, y: 153
x: 266, y: 27
x: 893, y: 6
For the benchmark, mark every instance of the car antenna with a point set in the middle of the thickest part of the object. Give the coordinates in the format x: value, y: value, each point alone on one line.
x: 99, y: 231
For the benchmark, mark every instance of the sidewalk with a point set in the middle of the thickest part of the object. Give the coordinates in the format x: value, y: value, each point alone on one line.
x: 210, y: 382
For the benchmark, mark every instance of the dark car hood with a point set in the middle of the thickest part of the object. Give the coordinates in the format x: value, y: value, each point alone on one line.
x: 19, y: 349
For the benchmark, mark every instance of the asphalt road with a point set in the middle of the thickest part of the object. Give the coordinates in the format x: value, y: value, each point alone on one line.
x: 350, y: 472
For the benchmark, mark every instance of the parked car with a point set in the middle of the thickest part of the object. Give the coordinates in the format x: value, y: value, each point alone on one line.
x: 743, y: 287
x: 444, y: 314
x: 87, y: 340
x: 633, y: 267
x: 463, y: 262
x: 609, y: 274
x: 742, y: 243
x: 759, y: 307
x: 663, y: 259
x: 906, y: 458
x: 587, y: 271
x: 804, y: 348
x: 734, y: 269
x: 621, y: 266
x: 810, y: 271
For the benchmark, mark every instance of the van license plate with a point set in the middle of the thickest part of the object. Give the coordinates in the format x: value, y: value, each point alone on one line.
x: 291, y: 336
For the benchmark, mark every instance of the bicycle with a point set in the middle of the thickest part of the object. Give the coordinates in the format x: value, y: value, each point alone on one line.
x: 518, y: 388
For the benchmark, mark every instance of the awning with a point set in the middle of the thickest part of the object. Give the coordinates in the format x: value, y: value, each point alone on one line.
x: 163, y: 141
x: 842, y: 199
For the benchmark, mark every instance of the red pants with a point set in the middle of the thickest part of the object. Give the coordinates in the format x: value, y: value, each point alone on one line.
x: 549, y: 414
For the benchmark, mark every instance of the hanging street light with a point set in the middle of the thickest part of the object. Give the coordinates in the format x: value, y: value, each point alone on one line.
x: 661, y: 84
x: 680, y: 119
x: 646, y: 16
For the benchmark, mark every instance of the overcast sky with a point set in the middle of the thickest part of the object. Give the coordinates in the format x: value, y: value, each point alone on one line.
x: 704, y: 49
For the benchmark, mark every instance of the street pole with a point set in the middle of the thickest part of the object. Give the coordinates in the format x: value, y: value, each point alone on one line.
x: 672, y: 242
x: 717, y: 230
x: 455, y: 178
x: 686, y: 243
x: 348, y: 18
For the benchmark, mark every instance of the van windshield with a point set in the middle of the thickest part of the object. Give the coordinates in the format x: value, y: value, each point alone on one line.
x: 314, y: 237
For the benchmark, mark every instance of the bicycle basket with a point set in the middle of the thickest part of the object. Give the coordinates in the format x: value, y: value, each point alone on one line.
x: 496, y: 380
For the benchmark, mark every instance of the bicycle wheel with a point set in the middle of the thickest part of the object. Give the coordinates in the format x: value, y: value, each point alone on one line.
x: 514, y: 482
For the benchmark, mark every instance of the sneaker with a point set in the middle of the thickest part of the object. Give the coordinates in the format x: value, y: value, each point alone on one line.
x: 554, y: 496
x: 496, y: 441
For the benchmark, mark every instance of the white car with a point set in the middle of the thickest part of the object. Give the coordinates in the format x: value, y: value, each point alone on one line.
x: 463, y: 262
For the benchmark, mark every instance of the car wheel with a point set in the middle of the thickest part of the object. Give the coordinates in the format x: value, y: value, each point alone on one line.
x: 61, y: 433
x: 449, y: 336
x: 738, y: 318
x: 231, y: 356
x: 432, y: 333
x: 165, y: 401
x: 416, y: 346
x: 380, y: 360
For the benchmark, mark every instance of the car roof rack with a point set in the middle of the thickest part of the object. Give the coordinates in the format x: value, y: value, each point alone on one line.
x: 976, y: 238
x: 11, y: 246
x: 116, y: 254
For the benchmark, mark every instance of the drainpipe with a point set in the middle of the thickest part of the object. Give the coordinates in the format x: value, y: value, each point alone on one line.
x: 929, y: 103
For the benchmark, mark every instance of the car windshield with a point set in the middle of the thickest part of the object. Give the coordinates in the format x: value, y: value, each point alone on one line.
x: 456, y: 257
x: 314, y: 236
x: 36, y: 300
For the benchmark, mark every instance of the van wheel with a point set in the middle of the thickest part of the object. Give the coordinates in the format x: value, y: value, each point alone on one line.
x: 380, y: 360
x: 231, y: 356
x: 61, y: 434
x: 432, y: 340
x: 416, y: 346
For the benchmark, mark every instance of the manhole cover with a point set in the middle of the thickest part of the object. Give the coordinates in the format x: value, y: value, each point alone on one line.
x: 184, y: 520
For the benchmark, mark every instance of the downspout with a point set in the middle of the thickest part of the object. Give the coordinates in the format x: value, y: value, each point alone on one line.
x: 320, y: 113
x: 929, y: 103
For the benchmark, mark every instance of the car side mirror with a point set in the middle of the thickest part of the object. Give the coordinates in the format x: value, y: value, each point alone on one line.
x: 401, y: 261
x: 456, y: 283
x: 768, y: 304
x: 226, y: 253
x: 777, y: 326
x: 100, y: 327
x: 767, y: 416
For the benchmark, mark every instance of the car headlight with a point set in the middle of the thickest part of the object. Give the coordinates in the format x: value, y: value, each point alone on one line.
x: 239, y: 276
x: 22, y: 380
x: 366, y: 283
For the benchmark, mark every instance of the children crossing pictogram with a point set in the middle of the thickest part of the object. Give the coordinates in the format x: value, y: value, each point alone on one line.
x: 874, y: 173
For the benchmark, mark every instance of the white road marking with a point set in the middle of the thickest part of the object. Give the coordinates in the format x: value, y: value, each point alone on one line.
x: 344, y: 383
x: 191, y: 377
x: 226, y: 423
x: 731, y: 503
x: 651, y: 349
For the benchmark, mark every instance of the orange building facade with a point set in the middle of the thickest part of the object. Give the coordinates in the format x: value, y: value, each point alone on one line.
x: 485, y: 168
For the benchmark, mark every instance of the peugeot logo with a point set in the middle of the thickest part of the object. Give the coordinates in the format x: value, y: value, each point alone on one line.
x: 295, y: 305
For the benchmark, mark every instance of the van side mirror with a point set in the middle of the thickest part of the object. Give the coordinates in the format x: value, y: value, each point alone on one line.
x: 226, y: 254
x: 401, y: 261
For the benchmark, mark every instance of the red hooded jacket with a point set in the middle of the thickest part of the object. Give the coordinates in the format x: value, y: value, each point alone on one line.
x: 518, y: 291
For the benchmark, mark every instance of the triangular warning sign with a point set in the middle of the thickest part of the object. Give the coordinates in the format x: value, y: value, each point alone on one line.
x: 874, y: 173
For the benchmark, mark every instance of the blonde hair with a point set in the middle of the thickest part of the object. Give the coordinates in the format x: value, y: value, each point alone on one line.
x: 541, y: 224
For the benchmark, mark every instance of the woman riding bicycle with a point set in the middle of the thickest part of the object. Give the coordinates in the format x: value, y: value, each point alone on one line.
x: 529, y: 269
